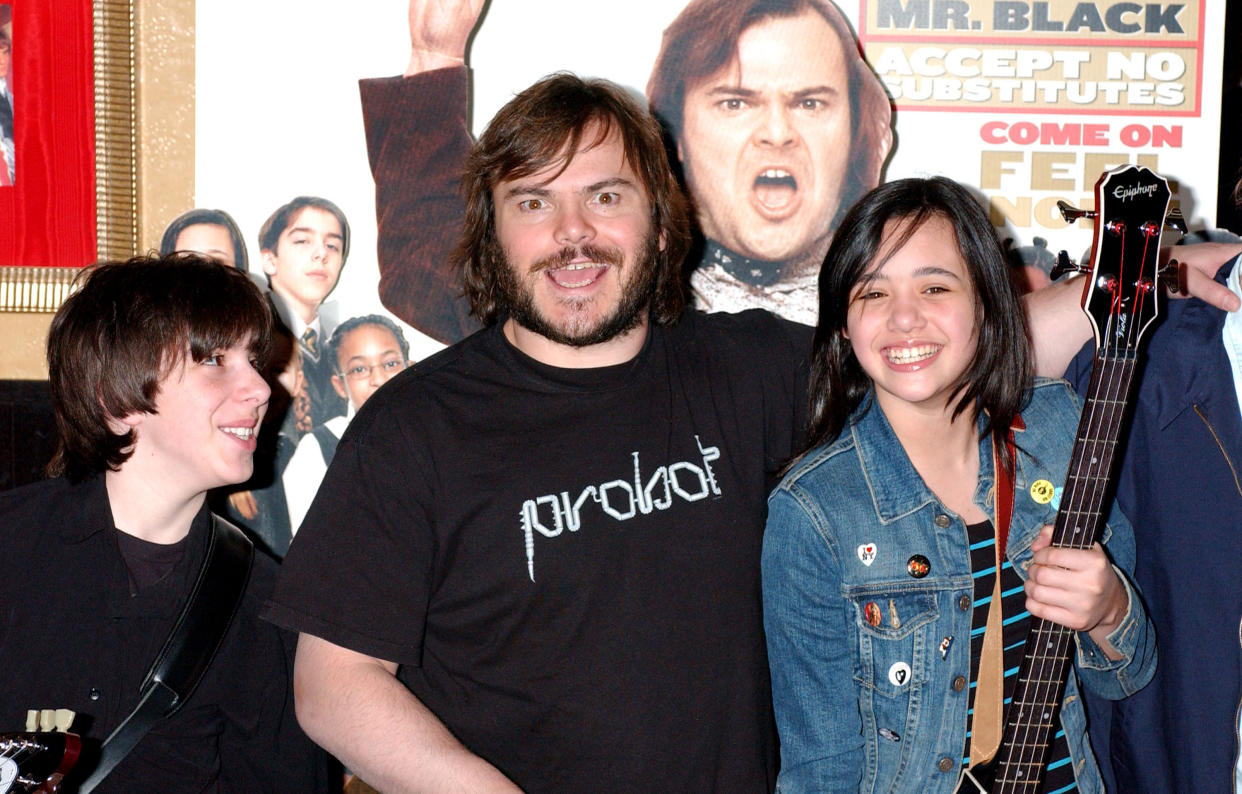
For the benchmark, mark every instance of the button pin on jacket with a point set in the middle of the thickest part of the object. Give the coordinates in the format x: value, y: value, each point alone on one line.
x: 918, y: 566
x: 1041, y: 492
x: 893, y: 620
x: 945, y: 644
x: 889, y: 734
x: 866, y: 553
x: 899, y: 674
x: 873, y: 614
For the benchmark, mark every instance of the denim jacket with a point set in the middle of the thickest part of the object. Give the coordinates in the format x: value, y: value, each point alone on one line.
x: 883, y: 708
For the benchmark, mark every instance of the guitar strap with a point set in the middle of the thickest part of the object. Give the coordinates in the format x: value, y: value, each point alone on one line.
x: 987, y: 725
x: 193, y: 641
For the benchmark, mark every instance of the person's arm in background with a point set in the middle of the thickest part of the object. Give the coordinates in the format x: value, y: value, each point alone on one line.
x: 1059, y: 328
x: 418, y: 139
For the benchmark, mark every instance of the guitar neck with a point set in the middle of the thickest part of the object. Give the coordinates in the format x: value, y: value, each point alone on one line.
x: 1033, y: 712
x: 1079, y: 519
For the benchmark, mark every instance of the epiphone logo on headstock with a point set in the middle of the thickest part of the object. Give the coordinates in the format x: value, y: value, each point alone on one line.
x: 1127, y: 192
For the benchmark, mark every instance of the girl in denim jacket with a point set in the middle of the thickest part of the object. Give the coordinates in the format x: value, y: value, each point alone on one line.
x: 881, y: 558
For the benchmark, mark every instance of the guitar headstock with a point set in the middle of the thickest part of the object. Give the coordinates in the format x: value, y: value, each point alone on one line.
x: 1123, y: 296
x: 36, y: 762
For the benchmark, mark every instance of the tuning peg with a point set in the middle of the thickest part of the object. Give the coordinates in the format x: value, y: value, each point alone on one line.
x: 1175, y: 220
x: 1071, y: 213
x: 64, y: 718
x: 1066, y: 265
x: 1173, y: 277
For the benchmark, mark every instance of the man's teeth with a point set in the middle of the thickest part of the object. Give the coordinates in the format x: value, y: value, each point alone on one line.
x: 908, y: 355
x: 244, y: 433
x: 776, y: 173
x: 563, y: 277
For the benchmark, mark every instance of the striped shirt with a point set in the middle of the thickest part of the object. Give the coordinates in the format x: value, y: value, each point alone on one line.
x: 1059, y: 775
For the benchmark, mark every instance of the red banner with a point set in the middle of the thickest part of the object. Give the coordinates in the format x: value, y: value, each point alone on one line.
x: 47, y: 216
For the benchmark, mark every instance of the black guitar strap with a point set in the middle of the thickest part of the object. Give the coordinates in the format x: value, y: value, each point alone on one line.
x: 193, y: 641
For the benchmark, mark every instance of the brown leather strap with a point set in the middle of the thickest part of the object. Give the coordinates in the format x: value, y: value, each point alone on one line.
x: 987, y: 727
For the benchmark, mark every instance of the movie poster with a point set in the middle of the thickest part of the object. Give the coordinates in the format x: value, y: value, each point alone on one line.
x: 1026, y: 101
x: 1031, y: 101
x: 780, y: 118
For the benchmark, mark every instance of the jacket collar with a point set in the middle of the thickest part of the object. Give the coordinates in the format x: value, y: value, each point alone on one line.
x: 86, y: 510
x: 896, y: 488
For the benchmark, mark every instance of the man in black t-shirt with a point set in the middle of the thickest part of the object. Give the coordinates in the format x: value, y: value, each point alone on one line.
x: 534, y: 560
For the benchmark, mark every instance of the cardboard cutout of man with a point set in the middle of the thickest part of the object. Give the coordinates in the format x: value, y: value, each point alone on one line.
x: 780, y: 125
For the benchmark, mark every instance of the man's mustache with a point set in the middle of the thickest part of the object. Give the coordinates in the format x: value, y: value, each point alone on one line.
x: 593, y: 253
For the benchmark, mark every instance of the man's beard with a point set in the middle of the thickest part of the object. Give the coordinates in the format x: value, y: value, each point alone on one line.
x: 636, y: 292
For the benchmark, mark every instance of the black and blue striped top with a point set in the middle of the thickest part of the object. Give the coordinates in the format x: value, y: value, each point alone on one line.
x: 1059, y: 776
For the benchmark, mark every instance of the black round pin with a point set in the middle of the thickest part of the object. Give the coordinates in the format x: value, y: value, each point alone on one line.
x: 918, y: 566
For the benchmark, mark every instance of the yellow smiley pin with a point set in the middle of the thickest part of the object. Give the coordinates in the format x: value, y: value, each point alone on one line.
x: 1042, y: 491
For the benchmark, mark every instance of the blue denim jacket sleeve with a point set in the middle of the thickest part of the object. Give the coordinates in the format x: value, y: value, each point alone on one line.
x: 812, y: 683
x: 1134, y: 639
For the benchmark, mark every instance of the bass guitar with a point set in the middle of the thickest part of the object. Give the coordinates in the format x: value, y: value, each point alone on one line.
x: 1122, y: 297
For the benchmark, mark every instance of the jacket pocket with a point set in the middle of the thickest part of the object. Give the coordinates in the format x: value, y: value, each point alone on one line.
x: 893, y: 626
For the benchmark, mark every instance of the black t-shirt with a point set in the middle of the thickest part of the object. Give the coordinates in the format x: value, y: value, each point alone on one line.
x: 565, y: 563
x: 147, y: 562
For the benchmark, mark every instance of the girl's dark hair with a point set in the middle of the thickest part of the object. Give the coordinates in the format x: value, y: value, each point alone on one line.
x: 996, y: 382
x: 128, y: 325
x: 208, y: 217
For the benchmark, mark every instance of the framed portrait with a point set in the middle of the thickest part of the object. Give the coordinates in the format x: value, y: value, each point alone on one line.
x: 67, y: 131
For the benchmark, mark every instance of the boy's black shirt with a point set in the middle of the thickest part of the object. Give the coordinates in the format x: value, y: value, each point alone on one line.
x: 72, y: 636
